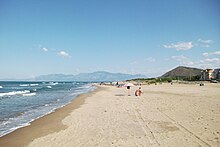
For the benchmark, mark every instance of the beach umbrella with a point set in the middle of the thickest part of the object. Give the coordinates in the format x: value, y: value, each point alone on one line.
x: 129, y: 84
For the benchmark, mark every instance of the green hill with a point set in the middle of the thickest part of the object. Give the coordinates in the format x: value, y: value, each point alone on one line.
x: 184, y: 73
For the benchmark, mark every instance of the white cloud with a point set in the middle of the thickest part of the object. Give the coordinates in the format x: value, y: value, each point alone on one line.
x: 180, y: 46
x: 179, y: 58
x: 45, y: 49
x: 205, y: 54
x: 189, y: 63
x: 212, y: 60
x: 211, y: 53
x: 63, y: 54
x: 209, y: 63
x: 216, y: 53
x: 150, y: 59
x: 183, y: 60
x: 204, y: 63
x: 205, y: 41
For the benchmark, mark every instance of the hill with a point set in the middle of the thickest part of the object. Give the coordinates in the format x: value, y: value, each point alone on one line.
x: 183, y: 72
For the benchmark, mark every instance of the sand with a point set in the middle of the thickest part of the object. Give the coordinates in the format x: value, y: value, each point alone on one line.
x: 165, y: 115
x: 43, y: 126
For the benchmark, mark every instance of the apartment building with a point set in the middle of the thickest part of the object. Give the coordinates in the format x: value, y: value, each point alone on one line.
x: 210, y: 74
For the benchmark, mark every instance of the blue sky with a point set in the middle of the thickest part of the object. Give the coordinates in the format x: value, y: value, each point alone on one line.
x: 148, y: 37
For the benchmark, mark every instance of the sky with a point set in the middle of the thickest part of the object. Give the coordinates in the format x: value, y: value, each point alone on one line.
x: 146, y: 37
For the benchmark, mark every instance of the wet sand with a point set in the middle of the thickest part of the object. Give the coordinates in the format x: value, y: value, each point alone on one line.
x: 165, y: 115
x: 41, y: 127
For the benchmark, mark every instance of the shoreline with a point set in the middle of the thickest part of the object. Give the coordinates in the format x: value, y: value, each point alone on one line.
x: 164, y: 115
x: 48, y: 123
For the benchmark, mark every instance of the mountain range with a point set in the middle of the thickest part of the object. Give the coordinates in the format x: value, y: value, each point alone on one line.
x: 98, y: 76
x: 102, y: 76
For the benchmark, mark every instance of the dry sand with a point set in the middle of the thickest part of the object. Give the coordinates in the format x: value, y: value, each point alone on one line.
x: 165, y: 115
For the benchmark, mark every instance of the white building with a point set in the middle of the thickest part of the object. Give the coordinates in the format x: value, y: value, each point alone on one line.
x: 210, y: 74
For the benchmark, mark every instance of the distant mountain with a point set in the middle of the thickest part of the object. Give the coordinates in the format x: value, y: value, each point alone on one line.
x: 95, y: 76
x: 182, y: 71
x: 56, y: 77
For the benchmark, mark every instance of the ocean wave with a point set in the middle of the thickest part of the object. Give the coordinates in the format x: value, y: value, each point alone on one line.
x: 48, y: 101
x: 49, y: 87
x: 2, y: 133
x: 34, y: 84
x: 26, y: 85
x: 29, y: 94
x: 25, y: 119
x: 14, y: 93
x: 1, y: 86
x: 53, y: 83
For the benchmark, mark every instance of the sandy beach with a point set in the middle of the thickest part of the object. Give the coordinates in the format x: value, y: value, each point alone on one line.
x: 165, y: 115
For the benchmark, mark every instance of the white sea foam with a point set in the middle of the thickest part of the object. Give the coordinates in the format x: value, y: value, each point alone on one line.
x: 26, y: 85
x: 13, y: 124
x: 1, y: 86
x: 49, y: 87
x: 53, y: 83
x: 14, y: 93
x: 34, y: 84
x: 23, y: 120
x: 2, y: 133
x: 29, y: 94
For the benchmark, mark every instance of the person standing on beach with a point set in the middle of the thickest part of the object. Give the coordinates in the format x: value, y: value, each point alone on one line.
x: 128, y: 86
x: 129, y: 91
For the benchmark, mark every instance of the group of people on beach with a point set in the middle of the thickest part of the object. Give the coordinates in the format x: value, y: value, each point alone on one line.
x: 138, y: 92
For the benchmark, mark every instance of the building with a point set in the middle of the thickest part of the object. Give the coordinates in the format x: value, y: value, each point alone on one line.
x: 216, y: 74
x: 210, y: 74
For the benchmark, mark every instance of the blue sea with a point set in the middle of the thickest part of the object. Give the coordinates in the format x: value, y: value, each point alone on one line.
x: 23, y: 102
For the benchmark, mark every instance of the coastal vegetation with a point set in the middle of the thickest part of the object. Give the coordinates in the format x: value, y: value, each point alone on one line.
x: 178, y: 74
x: 166, y: 79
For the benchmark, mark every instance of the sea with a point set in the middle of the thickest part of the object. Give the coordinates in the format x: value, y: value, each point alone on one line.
x: 23, y: 102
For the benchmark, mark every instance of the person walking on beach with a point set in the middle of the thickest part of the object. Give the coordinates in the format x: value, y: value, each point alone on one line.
x: 138, y: 92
